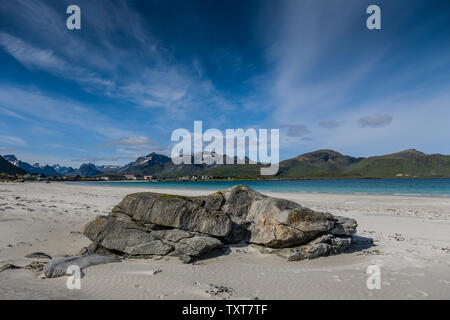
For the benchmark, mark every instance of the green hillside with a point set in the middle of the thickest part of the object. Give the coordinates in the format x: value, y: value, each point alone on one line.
x: 321, y: 163
x: 239, y: 171
x: 329, y: 163
x: 405, y: 163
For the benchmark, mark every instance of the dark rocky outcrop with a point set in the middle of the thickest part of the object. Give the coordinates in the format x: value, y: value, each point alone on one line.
x: 9, y: 266
x: 38, y: 255
x: 148, y: 224
x: 9, y: 168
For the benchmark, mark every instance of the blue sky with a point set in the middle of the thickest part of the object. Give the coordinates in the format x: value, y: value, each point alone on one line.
x: 137, y: 70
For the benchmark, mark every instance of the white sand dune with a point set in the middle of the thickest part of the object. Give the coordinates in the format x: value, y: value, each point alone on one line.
x: 411, y: 234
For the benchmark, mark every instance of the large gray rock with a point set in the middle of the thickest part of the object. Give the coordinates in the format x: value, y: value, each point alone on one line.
x: 146, y: 224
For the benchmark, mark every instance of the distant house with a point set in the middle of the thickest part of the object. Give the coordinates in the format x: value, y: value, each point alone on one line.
x: 402, y: 175
x: 192, y: 178
x: 112, y: 177
x: 148, y: 177
x: 129, y: 177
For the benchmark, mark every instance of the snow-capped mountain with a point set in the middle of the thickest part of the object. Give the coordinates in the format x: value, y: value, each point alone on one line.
x: 36, y: 168
x: 11, y: 159
x: 108, y: 168
x: 152, y: 164
x: 85, y: 170
x: 64, y: 171
x: 141, y: 164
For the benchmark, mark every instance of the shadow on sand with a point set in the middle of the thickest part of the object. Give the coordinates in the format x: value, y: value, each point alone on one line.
x: 358, y: 244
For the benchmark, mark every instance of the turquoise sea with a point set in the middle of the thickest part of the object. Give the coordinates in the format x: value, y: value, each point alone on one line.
x: 438, y: 187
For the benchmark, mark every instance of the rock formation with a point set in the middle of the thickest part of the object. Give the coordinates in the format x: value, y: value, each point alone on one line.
x: 148, y: 224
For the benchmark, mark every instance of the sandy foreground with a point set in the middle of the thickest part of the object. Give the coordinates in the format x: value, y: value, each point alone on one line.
x: 411, y: 246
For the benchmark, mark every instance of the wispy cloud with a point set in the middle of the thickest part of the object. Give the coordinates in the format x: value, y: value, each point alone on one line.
x: 141, y: 73
x: 6, y: 149
x: 100, y: 159
x: 375, y: 121
x: 35, y: 104
x: 329, y: 124
x: 15, y: 141
x: 12, y: 114
x: 127, y: 76
x: 46, y: 60
x: 129, y: 141
x: 131, y: 148
x: 304, y: 36
x: 295, y: 130
x: 60, y: 146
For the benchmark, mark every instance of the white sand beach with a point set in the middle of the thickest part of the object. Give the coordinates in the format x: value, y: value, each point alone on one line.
x: 411, y: 245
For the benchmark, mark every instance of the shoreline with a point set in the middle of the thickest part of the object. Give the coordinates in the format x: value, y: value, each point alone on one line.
x: 155, y: 189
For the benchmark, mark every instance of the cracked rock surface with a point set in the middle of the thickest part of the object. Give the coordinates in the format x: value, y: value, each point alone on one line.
x: 147, y: 224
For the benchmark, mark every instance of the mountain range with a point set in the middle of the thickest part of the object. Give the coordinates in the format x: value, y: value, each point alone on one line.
x: 34, y: 169
x: 317, y: 164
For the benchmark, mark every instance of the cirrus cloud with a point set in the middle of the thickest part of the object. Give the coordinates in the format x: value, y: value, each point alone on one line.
x: 375, y: 121
x: 295, y: 130
x: 329, y: 124
x: 128, y: 141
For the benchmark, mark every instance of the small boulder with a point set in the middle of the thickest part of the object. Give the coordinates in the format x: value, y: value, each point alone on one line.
x: 58, y: 268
